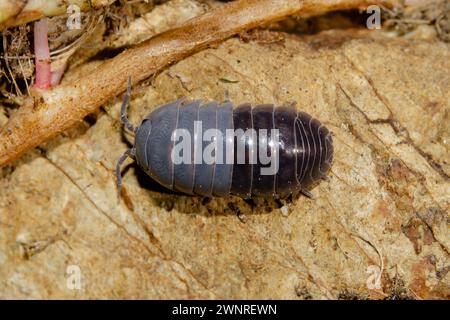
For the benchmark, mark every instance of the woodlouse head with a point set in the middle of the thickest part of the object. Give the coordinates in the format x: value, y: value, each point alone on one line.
x: 317, y: 151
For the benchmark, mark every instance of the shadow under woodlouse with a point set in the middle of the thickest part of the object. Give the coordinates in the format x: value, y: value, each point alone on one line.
x: 207, y: 206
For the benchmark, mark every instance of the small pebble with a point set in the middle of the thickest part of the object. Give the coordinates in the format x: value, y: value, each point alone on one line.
x: 285, y: 210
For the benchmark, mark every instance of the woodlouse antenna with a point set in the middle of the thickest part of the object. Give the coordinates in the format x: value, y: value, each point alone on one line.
x: 123, y: 109
x: 128, y: 153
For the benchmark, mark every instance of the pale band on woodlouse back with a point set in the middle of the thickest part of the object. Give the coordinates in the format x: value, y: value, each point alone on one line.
x: 244, y: 143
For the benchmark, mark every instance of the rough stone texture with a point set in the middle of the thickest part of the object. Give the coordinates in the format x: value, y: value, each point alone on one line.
x: 385, y: 206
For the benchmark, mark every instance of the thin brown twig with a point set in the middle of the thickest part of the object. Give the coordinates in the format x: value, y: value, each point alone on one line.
x: 6, y: 58
x: 47, y: 113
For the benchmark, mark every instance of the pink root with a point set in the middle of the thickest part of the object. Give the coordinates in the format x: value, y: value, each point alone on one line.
x: 42, y: 53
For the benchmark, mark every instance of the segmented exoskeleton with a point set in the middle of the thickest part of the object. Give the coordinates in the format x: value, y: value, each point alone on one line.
x: 300, y: 144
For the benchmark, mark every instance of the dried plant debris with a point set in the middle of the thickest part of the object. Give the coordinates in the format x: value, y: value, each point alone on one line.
x: 404, y: 19
x: 59, y: 33
x: 17, y: 12
x: 17, y: 55
x: 16, y: 77
x: 397, y: 290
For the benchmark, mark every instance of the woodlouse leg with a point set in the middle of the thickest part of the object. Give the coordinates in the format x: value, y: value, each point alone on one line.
x: 128, y: 153
x: 290, y: 104
x: 308, y: 194
x: 123, y: 109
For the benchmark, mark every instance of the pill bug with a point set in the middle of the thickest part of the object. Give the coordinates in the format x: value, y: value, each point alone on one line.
x: 304, y: 153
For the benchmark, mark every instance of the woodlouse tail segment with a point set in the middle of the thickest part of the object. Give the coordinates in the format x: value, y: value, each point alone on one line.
x: 123, y: 109
x: 128, y: 153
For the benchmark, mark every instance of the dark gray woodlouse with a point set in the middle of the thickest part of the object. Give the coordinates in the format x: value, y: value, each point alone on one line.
x: 305, y: 149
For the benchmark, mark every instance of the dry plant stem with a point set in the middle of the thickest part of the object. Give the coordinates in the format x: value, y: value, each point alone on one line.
x: 50, y: 112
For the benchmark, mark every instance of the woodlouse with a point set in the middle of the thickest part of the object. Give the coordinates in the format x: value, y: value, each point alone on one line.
x: 302, y: 146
